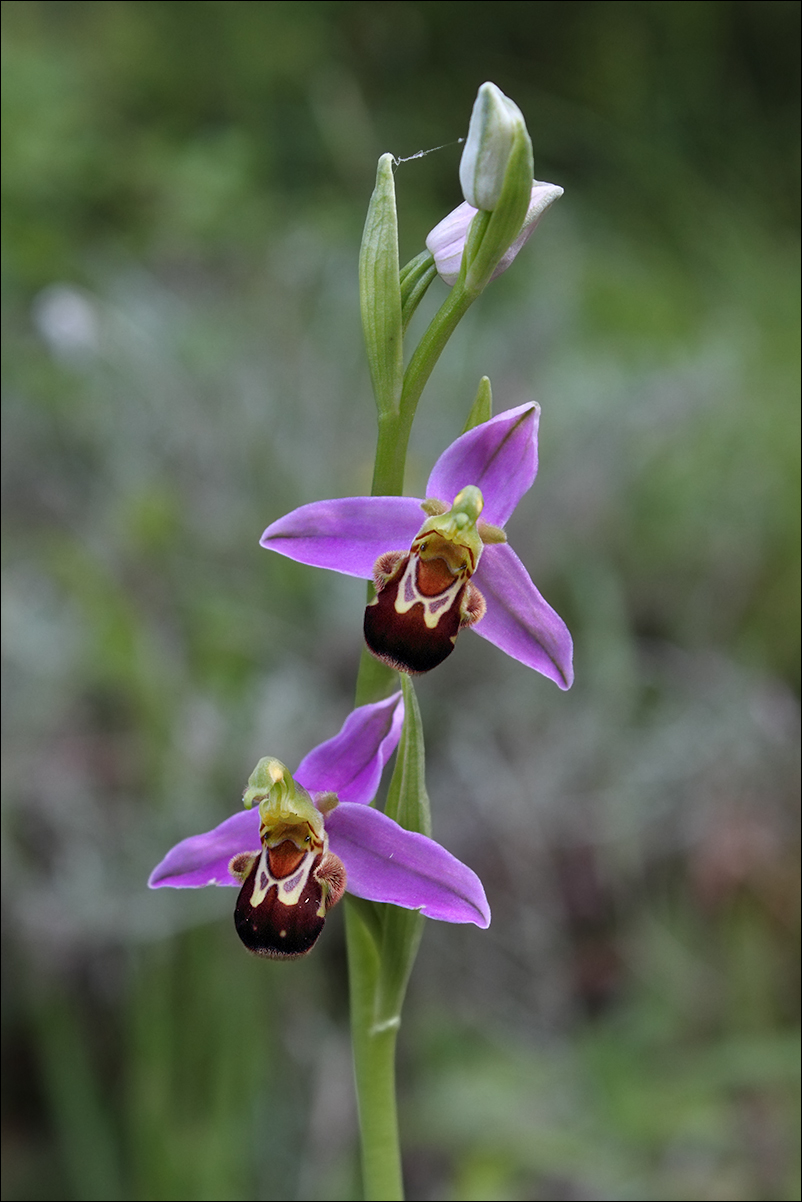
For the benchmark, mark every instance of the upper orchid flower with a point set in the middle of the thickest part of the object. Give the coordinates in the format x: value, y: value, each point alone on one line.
x: 446, y: 241
x: 454, y: 570
x: 311, y: 837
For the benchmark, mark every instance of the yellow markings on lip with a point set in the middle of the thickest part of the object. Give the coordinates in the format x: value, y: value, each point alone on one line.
x: 289, y: 888
x: 434, y: 607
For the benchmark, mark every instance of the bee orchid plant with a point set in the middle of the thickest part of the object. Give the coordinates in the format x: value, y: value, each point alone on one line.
x: 436, y: 565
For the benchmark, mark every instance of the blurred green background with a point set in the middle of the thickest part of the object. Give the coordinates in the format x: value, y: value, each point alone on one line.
x: 184, y: 188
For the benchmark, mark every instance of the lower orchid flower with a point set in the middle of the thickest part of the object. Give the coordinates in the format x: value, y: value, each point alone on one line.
x: 302, y: 841
x: 453, y: 571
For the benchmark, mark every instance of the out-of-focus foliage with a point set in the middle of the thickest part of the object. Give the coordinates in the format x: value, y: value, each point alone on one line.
x: 184, y: 186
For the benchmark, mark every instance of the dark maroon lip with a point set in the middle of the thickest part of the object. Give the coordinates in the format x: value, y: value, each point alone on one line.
x: 403, y: 640
x: 276, y: 930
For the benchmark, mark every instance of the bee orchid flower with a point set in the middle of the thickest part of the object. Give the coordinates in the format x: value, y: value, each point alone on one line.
x: 452, y: 571
x: 302, y: 841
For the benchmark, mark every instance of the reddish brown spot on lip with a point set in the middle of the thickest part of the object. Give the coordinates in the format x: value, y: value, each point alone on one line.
x: 433, y: 577
x: 284, y: 859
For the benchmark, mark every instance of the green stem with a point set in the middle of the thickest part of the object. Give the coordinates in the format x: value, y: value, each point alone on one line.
x: 381, y: 940
x: 376, y: 996
x: 375, y: 680
x: 415, y: 280
x: 430, y: 348
x: 395, y: 427
x: 391, y: 457
x: 374, y: 1040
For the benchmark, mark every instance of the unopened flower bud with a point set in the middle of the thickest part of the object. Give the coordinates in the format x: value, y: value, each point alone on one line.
x: 496, y: 122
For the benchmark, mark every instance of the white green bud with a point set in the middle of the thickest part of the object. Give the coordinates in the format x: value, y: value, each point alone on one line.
x: 496, y: 123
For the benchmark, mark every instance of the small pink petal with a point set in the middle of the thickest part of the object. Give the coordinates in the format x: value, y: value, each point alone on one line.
x: 446, y: 242
x: 543, y: 195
